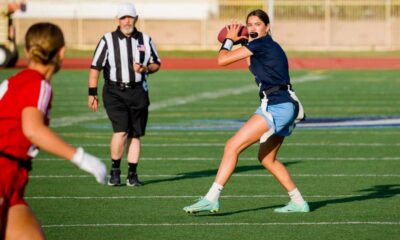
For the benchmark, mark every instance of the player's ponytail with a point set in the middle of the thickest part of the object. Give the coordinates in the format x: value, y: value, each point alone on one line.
x: 43, y: 41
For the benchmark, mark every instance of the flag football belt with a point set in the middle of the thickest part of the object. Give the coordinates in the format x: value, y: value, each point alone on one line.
x: 122, y: 85
x: 265, y: 93
x: 264, y: 106
x: 26, y: 164
x: 301, y: 116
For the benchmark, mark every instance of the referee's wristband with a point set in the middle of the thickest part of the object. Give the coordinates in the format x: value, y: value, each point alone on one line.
x: 93, y: 91
x: 227, y: 44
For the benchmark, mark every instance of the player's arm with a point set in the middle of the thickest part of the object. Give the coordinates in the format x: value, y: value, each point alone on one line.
x: 151, y: 68
x: 154, y: 62
x: 226, y: 56
x: 40, y: 135
x: 43, y: 137
x: 93, y: 79
x: 98, y: 63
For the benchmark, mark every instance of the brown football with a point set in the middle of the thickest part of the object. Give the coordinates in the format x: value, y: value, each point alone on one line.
x: 222, y: 33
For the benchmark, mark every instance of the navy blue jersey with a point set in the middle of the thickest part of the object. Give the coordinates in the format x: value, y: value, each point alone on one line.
x: 270, y: 67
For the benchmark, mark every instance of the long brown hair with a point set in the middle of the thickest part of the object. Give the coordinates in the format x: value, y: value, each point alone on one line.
x: 43, y: 41
x: 263, y: 16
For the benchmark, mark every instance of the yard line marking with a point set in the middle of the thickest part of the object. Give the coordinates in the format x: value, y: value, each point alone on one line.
x: 353, y: 123
x: 60, y: 176
x: 107, y: 145
x: 196, y: 224
x: 192, y: 196
x: 321, y: 175
x: 250, y: 159
x: 71, y: 120
x: 235, y: 175
x: 148, y: 133
x: 207, y: 133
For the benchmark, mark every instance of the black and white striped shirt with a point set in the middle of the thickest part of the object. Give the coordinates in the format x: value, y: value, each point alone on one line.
x: 116, y: 54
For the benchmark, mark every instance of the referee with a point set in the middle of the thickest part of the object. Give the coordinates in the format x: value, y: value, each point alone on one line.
x: 126, y: 57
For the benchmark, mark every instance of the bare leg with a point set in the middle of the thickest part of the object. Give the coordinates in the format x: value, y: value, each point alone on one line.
x: 22, y: 224
x: 133, y: 147
x: 133, y: 153
x: 117, y: 144
x: 3, y: 216
x: 267, y: 157
x: 249, y: 133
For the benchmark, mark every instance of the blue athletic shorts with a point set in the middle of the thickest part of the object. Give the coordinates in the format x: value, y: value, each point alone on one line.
x: 283, y: 115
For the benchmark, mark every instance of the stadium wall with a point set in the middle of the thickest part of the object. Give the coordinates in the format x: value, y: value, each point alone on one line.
x: 297, y: 25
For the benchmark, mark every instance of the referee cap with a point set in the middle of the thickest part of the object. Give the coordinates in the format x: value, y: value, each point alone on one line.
x: 126, y: 9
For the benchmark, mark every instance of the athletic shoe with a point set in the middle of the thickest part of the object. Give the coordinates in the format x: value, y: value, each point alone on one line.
x: 293, y: 207
x: 115, y: 179
x: 203, y: 205
x: 132, y: 180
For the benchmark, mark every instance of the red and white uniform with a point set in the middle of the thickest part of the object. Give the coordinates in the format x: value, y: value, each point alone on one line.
x: 27, y: 88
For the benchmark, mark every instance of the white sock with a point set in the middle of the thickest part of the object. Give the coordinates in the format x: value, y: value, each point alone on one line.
x: 295, y: 196
x: 214, y: 192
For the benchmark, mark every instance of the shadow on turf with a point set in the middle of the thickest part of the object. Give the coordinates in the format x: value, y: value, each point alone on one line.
x: 375, y: 192
x: 222, y: 214
x: 208, y: 173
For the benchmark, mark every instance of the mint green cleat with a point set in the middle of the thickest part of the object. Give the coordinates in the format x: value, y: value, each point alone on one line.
x: 203, y: 205
x: 293, y: 207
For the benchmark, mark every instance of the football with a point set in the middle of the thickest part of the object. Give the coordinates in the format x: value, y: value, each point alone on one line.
x: 222, y: 33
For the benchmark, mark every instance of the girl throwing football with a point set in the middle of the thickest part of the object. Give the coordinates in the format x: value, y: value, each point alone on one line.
x: 272, y: 121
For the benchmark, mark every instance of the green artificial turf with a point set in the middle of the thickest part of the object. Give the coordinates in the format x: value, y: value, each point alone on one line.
x: 350, y: 176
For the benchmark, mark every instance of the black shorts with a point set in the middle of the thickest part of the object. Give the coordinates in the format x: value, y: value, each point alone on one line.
x: 127, y: 108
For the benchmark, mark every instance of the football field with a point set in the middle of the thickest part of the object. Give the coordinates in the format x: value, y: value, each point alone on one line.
x: 345, y: 160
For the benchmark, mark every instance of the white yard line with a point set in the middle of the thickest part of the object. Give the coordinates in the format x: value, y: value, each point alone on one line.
x: 219, y: 144
x: 71, y: 120
x: 210, y: 175
x: 191, y: 197
x: 250, y: 159
x: 107, y: 135
x: 224, y: 224
x: 353, y: 123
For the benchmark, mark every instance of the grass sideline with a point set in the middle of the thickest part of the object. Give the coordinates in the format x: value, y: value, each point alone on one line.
x: 349, y: 175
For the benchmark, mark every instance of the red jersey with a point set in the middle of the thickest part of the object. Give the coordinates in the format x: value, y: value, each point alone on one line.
x: 27, y: 88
